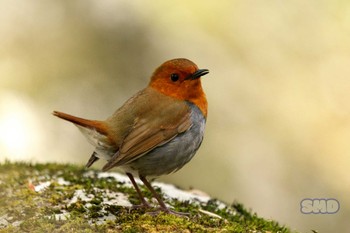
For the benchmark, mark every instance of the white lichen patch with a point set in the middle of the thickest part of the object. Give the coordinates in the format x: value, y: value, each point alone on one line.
x: 43, y: 185
x: 62, y: 181
x: 108, y: 198
x: 170, y: 191
x: 116, y: 198
x: 80, y: 194
x: 118, y: 177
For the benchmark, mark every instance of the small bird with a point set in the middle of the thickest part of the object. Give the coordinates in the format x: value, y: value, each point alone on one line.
x: 157, y: 131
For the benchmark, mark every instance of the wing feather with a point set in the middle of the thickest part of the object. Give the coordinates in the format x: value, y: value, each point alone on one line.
x: 151, y: 130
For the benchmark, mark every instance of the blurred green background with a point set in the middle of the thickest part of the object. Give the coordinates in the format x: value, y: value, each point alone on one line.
x: 278, y: 129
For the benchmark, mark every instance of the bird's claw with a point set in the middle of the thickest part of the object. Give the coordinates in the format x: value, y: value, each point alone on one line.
x: 168, y: 211
x: 141, y: 206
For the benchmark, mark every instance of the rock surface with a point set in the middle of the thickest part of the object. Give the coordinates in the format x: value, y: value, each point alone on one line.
x: 58, y: 198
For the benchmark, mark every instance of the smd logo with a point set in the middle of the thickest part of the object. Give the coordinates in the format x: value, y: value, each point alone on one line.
x: 319, y: 206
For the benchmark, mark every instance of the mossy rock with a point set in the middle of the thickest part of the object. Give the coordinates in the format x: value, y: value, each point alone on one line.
x: 69, y: 198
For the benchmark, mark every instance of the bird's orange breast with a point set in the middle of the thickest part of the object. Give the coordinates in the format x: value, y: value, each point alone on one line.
x: 188, y: 90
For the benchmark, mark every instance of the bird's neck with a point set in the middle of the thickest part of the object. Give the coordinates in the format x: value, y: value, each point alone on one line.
x: 196, y: 95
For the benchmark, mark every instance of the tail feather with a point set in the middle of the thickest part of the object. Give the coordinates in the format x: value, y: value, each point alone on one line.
x: 99, y: 126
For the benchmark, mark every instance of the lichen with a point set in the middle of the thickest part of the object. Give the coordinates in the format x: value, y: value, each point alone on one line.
x: 69, y: 198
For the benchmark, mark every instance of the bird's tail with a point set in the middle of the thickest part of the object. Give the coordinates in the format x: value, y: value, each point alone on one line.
x: 96, y: 133
x: 99, y: 126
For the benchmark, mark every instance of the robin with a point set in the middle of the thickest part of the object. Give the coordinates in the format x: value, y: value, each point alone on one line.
x: 157, y: 131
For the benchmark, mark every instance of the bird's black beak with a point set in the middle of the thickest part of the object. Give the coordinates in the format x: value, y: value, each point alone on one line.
x: 199, y: 73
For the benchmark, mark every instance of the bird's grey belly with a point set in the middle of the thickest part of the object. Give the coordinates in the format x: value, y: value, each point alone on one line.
x: 173, y: 155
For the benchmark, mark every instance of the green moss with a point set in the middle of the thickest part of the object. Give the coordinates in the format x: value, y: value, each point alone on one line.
x: 52, y: 209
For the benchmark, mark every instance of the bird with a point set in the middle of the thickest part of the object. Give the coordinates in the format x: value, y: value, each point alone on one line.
x: 155, y: 132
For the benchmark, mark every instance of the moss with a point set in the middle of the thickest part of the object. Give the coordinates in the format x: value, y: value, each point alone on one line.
x: 76, y: 200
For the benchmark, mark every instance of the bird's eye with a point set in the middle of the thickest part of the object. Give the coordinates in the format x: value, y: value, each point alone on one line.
x: 174, y: 77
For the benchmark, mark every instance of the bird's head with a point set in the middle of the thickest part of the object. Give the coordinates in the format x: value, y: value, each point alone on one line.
x: 181, y: 79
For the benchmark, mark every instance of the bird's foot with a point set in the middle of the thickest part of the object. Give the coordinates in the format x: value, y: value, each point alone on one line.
x: 141, y: 206
x: 168, y: 211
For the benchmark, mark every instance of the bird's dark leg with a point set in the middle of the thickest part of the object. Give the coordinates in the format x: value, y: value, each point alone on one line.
x: 142, y: 198
x: 92, y: 159
x: 159, y: 199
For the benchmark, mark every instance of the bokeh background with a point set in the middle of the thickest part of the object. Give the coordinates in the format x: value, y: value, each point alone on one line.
x: 278, y: 129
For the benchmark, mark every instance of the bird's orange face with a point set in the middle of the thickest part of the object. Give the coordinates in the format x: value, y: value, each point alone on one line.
x: 180, y: 79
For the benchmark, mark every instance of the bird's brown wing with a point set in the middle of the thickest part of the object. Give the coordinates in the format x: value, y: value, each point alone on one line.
x: 151, y: 129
